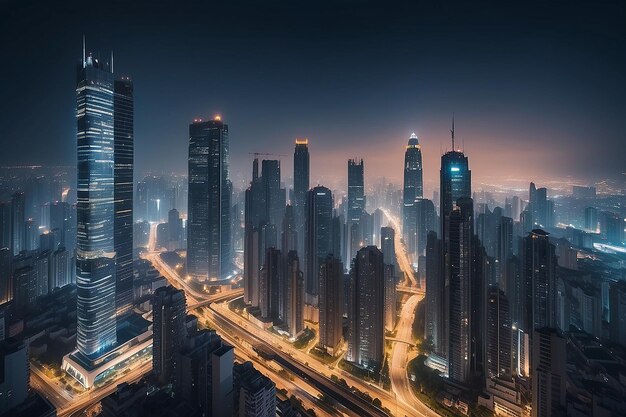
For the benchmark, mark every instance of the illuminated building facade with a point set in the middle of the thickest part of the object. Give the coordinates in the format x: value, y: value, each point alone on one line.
x: 413, y: 189
x: 208, y: 235
x: 319, y: 234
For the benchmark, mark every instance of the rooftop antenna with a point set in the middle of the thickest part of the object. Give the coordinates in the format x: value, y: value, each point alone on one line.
x: 452, y: 131
x: 111, y: 62
x: 84, y: 57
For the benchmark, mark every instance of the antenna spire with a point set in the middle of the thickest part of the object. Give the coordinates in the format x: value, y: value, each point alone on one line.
x: 111, y: 62
x: 84, y: 57
x: 452, y: 131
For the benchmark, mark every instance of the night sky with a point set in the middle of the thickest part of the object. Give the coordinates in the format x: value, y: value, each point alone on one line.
x: 537, y: 88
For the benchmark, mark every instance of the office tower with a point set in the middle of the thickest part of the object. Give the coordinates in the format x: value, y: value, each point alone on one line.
x: 318, y: 245
x: 504, y: 232
x: 255, y: 394
x: 61, y: 272
x: 6, y: 281
x: 539, y: 281
x: 41, y: 264
x: 32, y: 235
x: 612, y: 227
x: 18, y: 222
x: 175, y: 229
x: 6, y: 237
x: 293, y: 295
x: 222, y: 383
x: 435, y: 300
x: 455, y: 182
x: 366, y: 327
x: 169, y: 311
x: 301, y: 174
x: 254, y: 218
x: 539, y: 207
x: 356, y: 190
x: 331, y: 298
x: 203, y: 374
x: 548, y: 373
x: 14, y: 374
x: 591, y: 219
x: 271, y: 279
x: 95, y: 249
x: 60, y: 221
x: 274, y: 195
x: 413, y: 189
x: 289, y: 240
x: 459, y: 241
x: 208, y: 230
x: 123, y: 131
x: 426, y: 220
x: 24, y: 289
x: 389, y: 259
x: 498, y: 335
x: 617, y: 312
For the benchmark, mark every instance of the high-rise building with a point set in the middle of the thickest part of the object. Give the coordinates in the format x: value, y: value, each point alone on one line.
x: 549, y: 375
x: 434, y: 327
x: 24, y: 289
x: 331, y: 304
x: 459, y: 240
x: 18, y: 222
x: 539, y: 281
x: 389, y: 259
x: 455, y: 181
x: 413, y: 189
x: 498, y: 335
x: 6, y: 281
x: 426, y: 220
x: 591, y: 219
x: 504, y: 251
x: 6, y: 237
x: 612, y: 227
x: 318, y: 243
x: 95, y: 248
x: 60, y: 269
x: 169, y: 309
x: 293, y: 295
x: 271, y: 279
x: 123, y: 131
x: 255, y: 394
x: 356, y: 190
x: 301, y: 175
x: 539, y: 207
x: 275, y: 197
x: 208, y: 225
x: 366, y: 327
x: 289, y: 238
x: 617, y: 312
x: 14, y: 374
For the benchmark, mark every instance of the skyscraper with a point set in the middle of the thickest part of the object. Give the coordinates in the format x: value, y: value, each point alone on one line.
x: 274, y: 195
x: 293, y: 295
x: 331, y: 304
x: 366, y: 327
x: 458, y: 273
x: 123, y: 131
x: 301, y: 174
x: 389, y: 259
x: 18, y: 223
x: 498, y: 335
x: 95, y: 248
x: 271, y: 279
x: 539, y: 281
x: 169, y: 310
x: 455, y: 182
x: 426, y: 220
x: 413, y: 189
x: 356, y: 190
x: 208, y: 235
x: 318, y: 245
x: 549, y: 375
x: 435, y: 297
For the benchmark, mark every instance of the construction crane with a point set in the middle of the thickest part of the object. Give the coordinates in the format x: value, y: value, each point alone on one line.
x: 257, y: 154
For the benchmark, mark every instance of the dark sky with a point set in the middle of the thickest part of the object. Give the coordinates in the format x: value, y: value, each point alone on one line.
x: 537, y: 88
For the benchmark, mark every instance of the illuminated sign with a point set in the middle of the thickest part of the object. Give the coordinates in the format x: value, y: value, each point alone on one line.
x: 455, y: 169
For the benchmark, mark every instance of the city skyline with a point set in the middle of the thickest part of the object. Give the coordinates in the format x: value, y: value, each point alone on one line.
x: 415, y: 86
x: 279, y: 274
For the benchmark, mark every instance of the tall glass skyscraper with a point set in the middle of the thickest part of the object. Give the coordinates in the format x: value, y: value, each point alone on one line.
x: 413, y: 188
x: 123, y: 131
x: 95, y: 248
x: 356, y: 190
x: 208, y: 236
x: 319, y: 234
x: 301, y: 182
